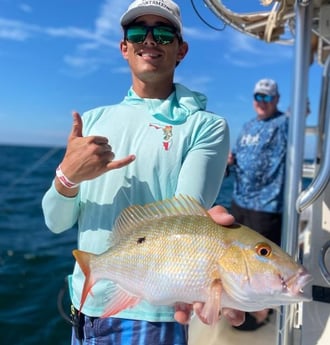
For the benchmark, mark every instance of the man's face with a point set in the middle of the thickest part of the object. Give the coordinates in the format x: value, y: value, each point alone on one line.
x: 264, y: 107
x: 150, y: 60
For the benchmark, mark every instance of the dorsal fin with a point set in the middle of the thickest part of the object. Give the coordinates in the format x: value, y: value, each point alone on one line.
x: 134, y: 216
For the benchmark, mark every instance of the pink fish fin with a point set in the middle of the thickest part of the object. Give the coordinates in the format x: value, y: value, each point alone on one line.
x: 210, y: 311
x: 119, y: 301
x: 83, y: 259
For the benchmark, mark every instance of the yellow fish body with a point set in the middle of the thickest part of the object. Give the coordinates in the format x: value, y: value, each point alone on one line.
x: 172, y: 252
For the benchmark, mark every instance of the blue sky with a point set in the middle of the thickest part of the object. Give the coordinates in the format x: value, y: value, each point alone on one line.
x: 63, y: 55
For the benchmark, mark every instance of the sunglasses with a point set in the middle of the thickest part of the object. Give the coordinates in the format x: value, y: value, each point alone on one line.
x: 259, y: 97
x: 162, y: 34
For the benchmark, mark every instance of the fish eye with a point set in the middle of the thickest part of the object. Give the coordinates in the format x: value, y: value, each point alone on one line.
x: 263, y: 249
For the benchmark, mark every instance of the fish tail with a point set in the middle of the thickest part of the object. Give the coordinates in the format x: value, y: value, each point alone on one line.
x: 83, y: 259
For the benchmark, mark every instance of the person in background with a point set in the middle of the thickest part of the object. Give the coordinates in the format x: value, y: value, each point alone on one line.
x: 258, y: 162
x: 166, y: 143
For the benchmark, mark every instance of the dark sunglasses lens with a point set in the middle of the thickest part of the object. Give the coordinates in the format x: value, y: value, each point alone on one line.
x: 263, y: 98
x: 163, y: 34
x: 136, y: 34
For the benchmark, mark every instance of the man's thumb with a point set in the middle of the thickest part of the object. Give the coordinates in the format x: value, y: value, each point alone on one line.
x: 76, y: 126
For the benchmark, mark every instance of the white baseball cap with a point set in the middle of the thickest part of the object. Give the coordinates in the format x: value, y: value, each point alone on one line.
x: 266, y: 87
x: 164, y: 8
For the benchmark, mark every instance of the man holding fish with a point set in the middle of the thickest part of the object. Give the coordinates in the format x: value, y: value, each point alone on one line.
x: 141, y: 268
x: 92, y: 187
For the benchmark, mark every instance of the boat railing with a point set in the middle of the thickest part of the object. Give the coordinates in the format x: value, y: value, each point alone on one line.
x: 322, y: 178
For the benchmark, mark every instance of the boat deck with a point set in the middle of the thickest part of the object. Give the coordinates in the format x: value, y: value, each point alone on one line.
x: 224, y: 334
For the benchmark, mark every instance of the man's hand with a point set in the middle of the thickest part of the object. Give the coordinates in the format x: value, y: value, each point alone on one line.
x: 231, y: 159
x: 87, y: 157
x: 221, y: 216
x: 183, y: 311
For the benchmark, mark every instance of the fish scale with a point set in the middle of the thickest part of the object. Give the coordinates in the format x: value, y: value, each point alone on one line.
x: 161, y: 241
x: 173, y: 252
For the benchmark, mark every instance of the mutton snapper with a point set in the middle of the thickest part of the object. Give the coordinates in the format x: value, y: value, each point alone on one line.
x: 172, y: 252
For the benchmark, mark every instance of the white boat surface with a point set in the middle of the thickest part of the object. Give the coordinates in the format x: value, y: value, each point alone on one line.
x: 224, y: 334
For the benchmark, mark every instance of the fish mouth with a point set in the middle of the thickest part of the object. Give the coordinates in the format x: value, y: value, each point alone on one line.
x: 294, y: 285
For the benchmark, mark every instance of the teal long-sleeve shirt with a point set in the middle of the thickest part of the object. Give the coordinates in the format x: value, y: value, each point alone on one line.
x: 180, y: 148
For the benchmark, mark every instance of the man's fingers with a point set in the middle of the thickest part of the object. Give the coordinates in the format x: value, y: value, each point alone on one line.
x: 221, y: 216
x: 76, y: 132
x: 98, y: 140
x: 182, y: 317
x: 182, y: 313
x: 77, y: 126
x: 234, y: 317
x: 117, y: 164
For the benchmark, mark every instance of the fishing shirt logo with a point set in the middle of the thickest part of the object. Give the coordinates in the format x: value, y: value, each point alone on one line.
x: 250, y: 140
x: 167, y: 134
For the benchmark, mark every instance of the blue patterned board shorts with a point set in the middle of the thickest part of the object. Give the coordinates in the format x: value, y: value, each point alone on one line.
x: 114, y: 331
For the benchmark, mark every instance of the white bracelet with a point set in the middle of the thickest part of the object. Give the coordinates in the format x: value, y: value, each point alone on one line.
x: 64, y: 180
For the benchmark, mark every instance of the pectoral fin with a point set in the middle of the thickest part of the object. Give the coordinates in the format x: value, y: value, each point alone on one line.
x: 119, y: 301
x: 210, y: 311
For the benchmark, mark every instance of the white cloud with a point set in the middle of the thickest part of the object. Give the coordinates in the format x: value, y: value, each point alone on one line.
x: 121, y: 70
x: 25, y: 8
x: 21, y: 31
x: 80, y: 66
x: 110, y: 13
x: 15, y: 30
x: 240, y: 42
x: 88, y: 44
x: 246, y: 51
x: 196, y: 82
x: 200, y: 34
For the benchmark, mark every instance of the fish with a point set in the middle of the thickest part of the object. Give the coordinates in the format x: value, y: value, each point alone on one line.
x: 172, y: 252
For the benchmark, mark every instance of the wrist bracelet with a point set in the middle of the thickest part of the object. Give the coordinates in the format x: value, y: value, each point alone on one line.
x: 64, y: 180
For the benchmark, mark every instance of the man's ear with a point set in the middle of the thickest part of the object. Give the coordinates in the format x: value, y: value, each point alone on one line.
x: 183, y: 50
x: 123, y: 48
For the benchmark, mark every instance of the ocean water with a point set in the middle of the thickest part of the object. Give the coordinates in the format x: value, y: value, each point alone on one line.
x: 33, y: 261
